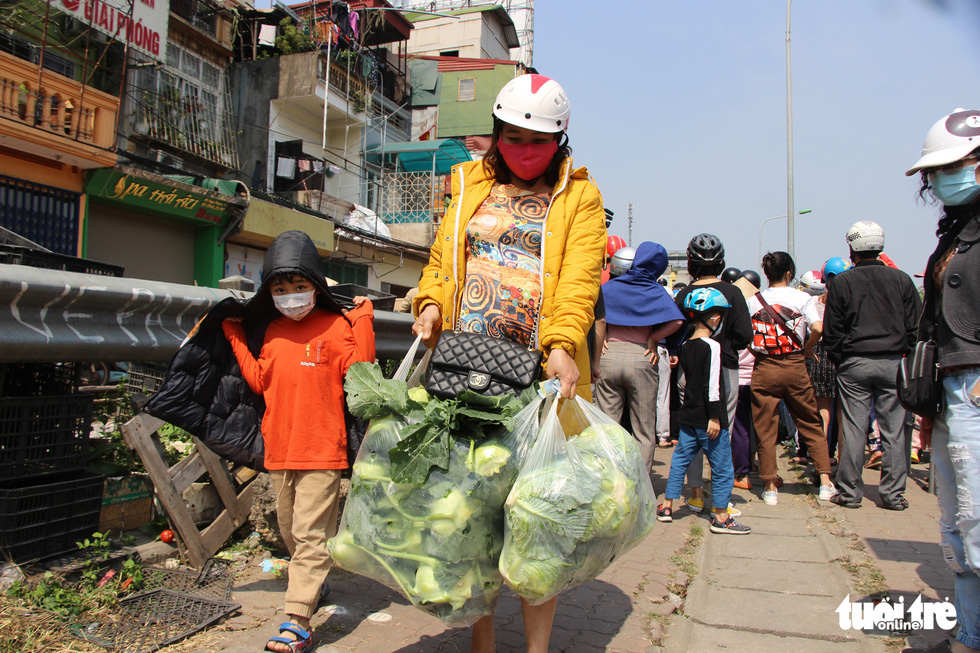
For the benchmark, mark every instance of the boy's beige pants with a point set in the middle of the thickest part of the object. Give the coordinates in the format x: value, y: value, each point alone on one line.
x: 306, y: 503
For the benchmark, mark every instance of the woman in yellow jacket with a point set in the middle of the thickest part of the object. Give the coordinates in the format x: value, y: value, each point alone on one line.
x: 518, y: 256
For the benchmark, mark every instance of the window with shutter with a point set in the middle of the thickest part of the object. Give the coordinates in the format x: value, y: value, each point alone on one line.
x: 467, y: 90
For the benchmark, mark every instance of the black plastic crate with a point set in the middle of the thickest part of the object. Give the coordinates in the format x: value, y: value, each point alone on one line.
x: 38, y: 379
x: 43, y: 435
x: 35, y: 258
x: 382, y: 301
x: 45, y: 518
x: 145, y: 378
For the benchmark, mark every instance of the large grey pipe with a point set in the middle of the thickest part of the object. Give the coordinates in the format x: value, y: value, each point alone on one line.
x: 51, y: 316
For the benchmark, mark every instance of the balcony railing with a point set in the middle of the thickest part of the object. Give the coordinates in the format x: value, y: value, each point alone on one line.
x: 347, y: 86
x: 186, y: 124
x: 397, y: 117
x: 200, y: 14
x: 56, y: 105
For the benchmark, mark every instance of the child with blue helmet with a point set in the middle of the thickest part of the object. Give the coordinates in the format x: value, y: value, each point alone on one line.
x: 703, y: 415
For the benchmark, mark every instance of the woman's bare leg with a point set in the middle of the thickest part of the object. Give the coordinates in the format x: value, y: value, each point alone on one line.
x: 537, y: 624
x: 483, y: 639
x: 823, y: 407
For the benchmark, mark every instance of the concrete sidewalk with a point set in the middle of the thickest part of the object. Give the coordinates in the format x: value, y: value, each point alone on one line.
x: 775, y: 589
x: 624, y: 610
x: 779, y: 587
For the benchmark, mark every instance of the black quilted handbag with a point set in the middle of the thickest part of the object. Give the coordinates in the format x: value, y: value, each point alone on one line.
x: 483, y: 364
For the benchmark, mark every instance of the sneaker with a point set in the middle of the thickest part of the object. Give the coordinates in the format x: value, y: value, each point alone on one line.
x: 664, y: 513
x: 826, y: 492
x: 770, y: 497
x: 915, y: 457
x: 733, y: 511
x: 729, y: 526
x: 743, y: 483
x: 695, y: 505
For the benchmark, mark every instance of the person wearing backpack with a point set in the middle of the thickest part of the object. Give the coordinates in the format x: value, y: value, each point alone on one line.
x: 780, y: 318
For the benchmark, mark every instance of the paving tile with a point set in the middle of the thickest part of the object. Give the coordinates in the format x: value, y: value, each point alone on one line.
x: 770, y: 547
x: 788, y: 577
x: 756, y: 610
x: 705, y: 639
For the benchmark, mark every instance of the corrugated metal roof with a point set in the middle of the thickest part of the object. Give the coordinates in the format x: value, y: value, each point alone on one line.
x: 448, y: 64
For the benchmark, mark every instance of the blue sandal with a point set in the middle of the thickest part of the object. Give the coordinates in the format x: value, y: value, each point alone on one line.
x: 303, y: 641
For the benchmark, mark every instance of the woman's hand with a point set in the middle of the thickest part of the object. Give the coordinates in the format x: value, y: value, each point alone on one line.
x: 428, y: 325
x: 651, y: 355
x: 562, y: 366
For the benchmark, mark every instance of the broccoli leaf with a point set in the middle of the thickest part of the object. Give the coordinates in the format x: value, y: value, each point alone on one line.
x: 471, y: 417
x: 370, y: 394
x: 425, y: 445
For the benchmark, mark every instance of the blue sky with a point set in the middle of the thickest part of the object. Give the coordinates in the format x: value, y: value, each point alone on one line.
x: 680, y: 108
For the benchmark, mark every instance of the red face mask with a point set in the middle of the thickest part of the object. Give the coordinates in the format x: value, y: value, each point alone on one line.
x: 528, y: 160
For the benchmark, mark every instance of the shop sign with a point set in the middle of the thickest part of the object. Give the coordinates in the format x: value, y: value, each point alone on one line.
x: 159, y: 198
x: 141, y: 23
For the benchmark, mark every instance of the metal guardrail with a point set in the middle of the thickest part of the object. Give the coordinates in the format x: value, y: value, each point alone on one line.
x: 55, y: 316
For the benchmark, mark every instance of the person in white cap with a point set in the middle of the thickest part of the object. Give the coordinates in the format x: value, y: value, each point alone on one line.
x: 519, y: 257
x: 869, y: 323
x: 951, y: 316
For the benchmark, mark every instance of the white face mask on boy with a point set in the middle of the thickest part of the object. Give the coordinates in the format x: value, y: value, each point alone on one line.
x: 295, y: 306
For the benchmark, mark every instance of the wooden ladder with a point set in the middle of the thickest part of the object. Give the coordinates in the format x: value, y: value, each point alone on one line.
x: 140, y: 434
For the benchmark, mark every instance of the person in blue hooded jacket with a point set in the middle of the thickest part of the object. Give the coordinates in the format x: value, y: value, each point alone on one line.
x: 640, y: 313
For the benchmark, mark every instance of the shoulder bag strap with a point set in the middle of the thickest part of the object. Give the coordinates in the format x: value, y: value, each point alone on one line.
x: 780, y: 322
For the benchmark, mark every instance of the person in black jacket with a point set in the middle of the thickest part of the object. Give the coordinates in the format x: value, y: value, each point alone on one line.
x: 705, y: 262
x: 869, y: 324
x: 950, y: 171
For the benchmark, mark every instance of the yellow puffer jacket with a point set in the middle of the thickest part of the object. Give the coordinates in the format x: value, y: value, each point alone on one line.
x: 571, y: 250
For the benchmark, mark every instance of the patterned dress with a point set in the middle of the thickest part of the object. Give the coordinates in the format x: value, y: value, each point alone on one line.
x: 502, y: 289
x: 823, y: 373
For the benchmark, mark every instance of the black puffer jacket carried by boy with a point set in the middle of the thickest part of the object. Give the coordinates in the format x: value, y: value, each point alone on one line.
x: 204, y: 392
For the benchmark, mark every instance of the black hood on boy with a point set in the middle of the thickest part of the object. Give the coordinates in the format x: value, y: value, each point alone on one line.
x: 204, y: 392
x: 291, y: 252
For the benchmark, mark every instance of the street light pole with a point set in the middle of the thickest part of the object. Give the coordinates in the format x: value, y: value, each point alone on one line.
x: 790, y: 226
x: 777, y: 217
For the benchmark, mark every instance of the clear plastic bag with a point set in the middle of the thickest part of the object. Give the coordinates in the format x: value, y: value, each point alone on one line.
x: 578, y: 503
x: 437, y: 543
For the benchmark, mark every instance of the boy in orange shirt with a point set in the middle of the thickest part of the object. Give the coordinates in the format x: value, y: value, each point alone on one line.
x: 300, y: 369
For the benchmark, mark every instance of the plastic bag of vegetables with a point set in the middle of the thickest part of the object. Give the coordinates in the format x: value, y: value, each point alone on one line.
x: 424, y: 515
x: 578, y: 503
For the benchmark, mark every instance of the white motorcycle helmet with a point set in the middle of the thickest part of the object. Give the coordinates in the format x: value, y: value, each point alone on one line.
x: 811, y: 283
x: 949, y: 140
x: 621, y: 261
x: 866, y: 236
x: 535, y: 102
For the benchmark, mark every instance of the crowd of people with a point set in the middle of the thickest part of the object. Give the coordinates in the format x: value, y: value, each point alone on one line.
x: 768, y: 356
x: 711, y: 368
